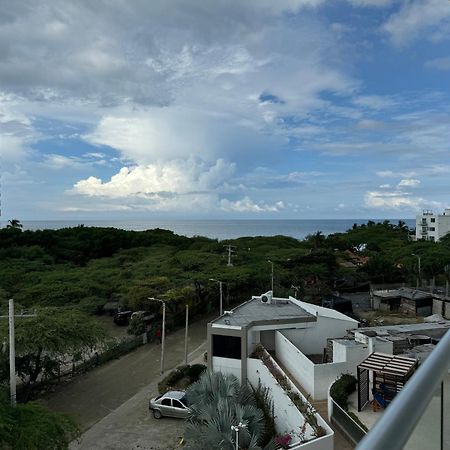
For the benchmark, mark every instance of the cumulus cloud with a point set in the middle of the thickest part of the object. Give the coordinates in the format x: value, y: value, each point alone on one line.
x: 392, y: 200
x: 160, y: 179
x: 247, y: 205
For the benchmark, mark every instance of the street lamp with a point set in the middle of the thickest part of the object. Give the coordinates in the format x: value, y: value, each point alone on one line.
x: 236, y: 430
x: 221, y: 293
x: 269, y: 261
x: 419, y: 276
x: 163, y: 336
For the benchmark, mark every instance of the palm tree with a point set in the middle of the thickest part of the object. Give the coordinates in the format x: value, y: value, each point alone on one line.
x: 217, y: 402
x: 14, y: 223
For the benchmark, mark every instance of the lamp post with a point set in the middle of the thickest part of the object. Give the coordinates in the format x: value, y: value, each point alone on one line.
x: 236, y: 429
x: 269, y: 261
x: 163, y: 334
x: 221, y: 293
x: 419, y: 271
x: 186, y: 336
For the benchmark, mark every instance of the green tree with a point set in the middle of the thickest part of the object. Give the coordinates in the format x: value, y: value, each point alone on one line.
x: 48, y: 340
x: 14, y: 223
x: 33, y: 427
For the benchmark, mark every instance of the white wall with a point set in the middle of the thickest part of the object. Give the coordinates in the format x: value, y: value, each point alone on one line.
x: 313, y: 338
x: 288, y: 418
x: 227, y: 365
x: 314, y: 378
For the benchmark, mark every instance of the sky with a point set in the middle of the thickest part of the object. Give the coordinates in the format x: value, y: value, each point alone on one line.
x: 287, y: 109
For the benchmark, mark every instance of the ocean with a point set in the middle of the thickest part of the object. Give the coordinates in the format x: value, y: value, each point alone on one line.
x: 219, y: 229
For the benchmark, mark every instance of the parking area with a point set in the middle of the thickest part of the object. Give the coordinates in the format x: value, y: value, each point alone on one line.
x: 132, y: 427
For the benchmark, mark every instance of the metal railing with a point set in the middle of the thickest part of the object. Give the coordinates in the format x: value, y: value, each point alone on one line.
x: 398, y: 423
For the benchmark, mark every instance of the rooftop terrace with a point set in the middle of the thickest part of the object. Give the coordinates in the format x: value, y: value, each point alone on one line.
x: 254, y: 312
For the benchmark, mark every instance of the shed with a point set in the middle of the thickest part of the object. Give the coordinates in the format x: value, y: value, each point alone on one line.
x: 390, y: 373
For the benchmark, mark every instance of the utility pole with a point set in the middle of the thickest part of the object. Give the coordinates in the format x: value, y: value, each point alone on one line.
x: 269, y: 261
x: 186, y: 336
x: 12, y: 354
x: 163, y: 334
x: 447, y: 269
x: 221, y: 294
x: 12, y: 349
x: 230, y: 254
x: 419, y: 270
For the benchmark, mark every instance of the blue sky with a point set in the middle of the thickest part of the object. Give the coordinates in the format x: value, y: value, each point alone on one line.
x: 193, y: 109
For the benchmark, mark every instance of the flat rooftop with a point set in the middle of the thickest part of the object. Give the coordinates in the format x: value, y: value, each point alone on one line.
x: 434, y: 330
x: 406, y: 292
x: 254, y: 312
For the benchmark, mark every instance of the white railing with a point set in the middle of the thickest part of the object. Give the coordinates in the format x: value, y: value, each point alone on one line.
x: 403, y: 421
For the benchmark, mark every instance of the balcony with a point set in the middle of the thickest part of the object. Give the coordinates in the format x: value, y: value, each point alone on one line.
x: 419, y: 415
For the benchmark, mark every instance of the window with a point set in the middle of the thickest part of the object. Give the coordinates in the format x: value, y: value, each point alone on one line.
x: 166, y: 402
x: 432, y: 229
x: 177, y: 404
x: 431, y: 238
x: 433, y: 220
x: 227, y: 346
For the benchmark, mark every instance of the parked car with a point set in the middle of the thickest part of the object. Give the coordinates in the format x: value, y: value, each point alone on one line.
x: 122, y: 318
x: 170, y: 404
x: 145, y: 316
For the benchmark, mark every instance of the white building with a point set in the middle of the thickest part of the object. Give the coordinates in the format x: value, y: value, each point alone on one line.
x: 432, y: 227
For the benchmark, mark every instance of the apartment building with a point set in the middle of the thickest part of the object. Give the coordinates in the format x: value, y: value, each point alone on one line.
x: 432, y: 227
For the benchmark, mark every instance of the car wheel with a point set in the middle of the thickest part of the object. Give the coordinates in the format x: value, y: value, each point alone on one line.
x: 157, y: 414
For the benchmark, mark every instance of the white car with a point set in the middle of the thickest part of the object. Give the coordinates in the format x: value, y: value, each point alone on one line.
x: 170, y: 404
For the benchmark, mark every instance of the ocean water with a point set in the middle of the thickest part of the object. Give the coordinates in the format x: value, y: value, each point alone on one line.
x: 219, y: 229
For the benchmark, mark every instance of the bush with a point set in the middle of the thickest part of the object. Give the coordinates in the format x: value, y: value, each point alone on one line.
x: 342, y: 388
x: 189, y: 373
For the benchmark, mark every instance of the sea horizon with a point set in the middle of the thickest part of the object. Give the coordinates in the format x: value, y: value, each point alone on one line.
x: 217, y: 228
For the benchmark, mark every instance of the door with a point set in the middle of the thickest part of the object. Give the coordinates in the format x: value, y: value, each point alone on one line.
x: 179, y: 410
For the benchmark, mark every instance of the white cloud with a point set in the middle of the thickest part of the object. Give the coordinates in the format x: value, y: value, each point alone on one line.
x: 409, y: 182
x: 160, y: 179
x: 377, y: 102
x: 372, y: 3
x: 438, y: 63
x: 247, y: 205
x: 385, y: 186
x: 392, y: 200
x: 416, y: 17
x: 392, y: 174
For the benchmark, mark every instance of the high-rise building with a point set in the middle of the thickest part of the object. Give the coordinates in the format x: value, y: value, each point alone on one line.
x: 432, y: 227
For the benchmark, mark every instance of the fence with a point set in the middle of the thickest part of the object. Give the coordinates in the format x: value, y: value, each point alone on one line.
x: 345, y: 423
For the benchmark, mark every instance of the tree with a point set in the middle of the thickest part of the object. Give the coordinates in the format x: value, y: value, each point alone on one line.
x: 51, y: 338
x: 14, y: 223
x: 218, y: 401
x: 32, y: 426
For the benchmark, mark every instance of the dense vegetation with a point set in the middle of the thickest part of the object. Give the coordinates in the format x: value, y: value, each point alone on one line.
x: 87, y: 267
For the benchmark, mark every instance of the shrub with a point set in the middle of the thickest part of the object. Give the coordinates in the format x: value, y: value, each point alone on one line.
x: 191, y: 373
x: 342, y: 388
x: 283, y: 441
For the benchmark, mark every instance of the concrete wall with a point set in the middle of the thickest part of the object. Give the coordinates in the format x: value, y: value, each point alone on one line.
x: 288, y: 418
x: 314, y: 378
x: 227, y: 365
x: 313, y: 338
